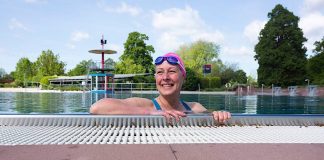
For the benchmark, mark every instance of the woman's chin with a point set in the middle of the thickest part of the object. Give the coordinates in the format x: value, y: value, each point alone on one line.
x: 167, y: 91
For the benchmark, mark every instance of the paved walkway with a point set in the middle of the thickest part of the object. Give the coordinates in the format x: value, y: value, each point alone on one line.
x: 165, y: 152
x: 33, y: 90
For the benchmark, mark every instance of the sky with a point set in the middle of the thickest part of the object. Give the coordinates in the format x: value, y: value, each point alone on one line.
x: 70, y: 28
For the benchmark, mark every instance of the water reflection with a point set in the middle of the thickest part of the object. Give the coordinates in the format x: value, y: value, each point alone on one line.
x: 76, y: 103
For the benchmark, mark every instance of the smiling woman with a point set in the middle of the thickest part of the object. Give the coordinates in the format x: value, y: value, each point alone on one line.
x: 170, y: 74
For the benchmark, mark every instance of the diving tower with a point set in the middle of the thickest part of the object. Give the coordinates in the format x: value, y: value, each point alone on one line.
x: 101, y: 72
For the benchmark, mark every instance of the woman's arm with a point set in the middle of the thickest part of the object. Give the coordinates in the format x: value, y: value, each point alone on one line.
x: 122, y: 106
x: 219, y: 116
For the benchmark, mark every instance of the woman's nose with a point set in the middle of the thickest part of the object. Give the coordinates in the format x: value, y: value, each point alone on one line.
x: 165, y: 75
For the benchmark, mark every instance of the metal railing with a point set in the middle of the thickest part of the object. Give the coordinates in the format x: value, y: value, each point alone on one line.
x: 98, y: 65
x: 114, y: 86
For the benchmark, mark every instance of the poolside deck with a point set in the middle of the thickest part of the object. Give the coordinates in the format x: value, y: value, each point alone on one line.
x: 148, y: 137
x: 165, y: 152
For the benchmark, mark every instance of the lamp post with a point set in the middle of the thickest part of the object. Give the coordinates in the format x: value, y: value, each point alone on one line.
x: 262, y: 88
x: 308, y: 89
x: 307, y: 81
x: 272, y: 89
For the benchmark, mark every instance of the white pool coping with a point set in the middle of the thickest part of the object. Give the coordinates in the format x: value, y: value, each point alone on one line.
x: 123, y: 129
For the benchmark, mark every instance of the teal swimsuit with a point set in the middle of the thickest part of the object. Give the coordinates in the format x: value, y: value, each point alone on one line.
x: 158, y: 107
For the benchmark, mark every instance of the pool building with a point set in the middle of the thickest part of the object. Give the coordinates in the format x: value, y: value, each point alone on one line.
x: 100, y: 75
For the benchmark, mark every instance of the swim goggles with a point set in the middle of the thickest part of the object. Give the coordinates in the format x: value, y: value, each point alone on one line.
x: 170, y: 59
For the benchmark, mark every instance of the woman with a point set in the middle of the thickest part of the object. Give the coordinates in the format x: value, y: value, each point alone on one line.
x: 170, y: 74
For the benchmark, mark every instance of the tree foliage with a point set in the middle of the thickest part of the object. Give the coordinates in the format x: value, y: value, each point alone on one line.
x: 191, y: 81
x: 210, y: 82
x: 128, y: 66
x: 81, y: 68
x: 48, y: 64
x: 45, y: 80
x: 316, y: 63
x: 199, y: 53
x: 240, y: 76
x: 138, y: 51
x: 280, y: 51
x: 227, y: 74
x: 24, y: 70
x: 4, y: 77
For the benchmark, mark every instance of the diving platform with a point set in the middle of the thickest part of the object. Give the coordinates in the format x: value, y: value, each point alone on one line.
x: 101, y: 74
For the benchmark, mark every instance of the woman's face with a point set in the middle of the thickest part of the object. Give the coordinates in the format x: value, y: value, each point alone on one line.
x: 168, y: 79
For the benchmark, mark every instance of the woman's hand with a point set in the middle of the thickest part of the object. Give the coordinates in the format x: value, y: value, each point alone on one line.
x: 221, y: 116
x: 169, y: 114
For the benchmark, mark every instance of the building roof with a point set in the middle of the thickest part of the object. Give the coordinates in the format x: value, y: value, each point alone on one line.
x: 84, y: 77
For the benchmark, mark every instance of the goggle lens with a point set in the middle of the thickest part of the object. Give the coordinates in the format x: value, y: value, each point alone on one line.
x: 171, y: 60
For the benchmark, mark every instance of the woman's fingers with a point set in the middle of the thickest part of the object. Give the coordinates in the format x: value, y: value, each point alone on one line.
x: 221, y: 116
x: 175, y: 114
x: 169, y: 114
x: 215, y: 115
x: 229, y: 116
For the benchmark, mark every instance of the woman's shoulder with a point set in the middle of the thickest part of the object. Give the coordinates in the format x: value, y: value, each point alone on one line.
x: 196, y: 107
x: 138, y: 101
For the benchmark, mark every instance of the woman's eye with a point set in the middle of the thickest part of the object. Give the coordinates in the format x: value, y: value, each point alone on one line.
x: 159, y: 72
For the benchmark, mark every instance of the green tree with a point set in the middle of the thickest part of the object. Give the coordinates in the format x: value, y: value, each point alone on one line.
x: 138, y: 51
x: 280, y: 51
x: 191, y: 82
x: 228, y: 73
x: 48, y: 64
x: 128, y: 66
x: 240, y: 76
x: 24, y: 71
x: 199, y: 53
x: 4, y: 77
x: 81, y: 68
x: 316, y: 63
x: 216, y: 68
x: 252, y: 81
x: 210, y: 82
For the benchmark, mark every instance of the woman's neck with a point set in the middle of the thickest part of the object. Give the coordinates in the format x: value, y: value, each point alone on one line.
x: 170, y: 102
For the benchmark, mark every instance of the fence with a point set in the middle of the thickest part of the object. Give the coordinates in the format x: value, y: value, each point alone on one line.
x: 114, y: 86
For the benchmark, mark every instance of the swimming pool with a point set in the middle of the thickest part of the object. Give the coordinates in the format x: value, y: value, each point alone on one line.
x: 79, y: 103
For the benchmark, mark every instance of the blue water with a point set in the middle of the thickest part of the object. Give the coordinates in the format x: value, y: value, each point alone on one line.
x: 79, y: 103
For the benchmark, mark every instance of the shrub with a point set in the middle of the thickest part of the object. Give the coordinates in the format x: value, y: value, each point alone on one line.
x: 210, y: 82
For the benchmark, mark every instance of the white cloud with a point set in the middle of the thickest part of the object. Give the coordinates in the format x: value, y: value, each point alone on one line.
x: 14, y: 24
x: 311, y: 5
x: 178, y: 26
x: 169, y: 41
x: 122, y: 8
x: 178, y: 19
x: 313, y: 28
x: 79, y: 36
x: 243, y: 56
x: 76, y: 37
x: 252, y: 30
x: 312, y: 24
x: 241, y: 51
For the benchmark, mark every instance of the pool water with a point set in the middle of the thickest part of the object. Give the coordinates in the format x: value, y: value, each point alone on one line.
x: 79, y: 103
